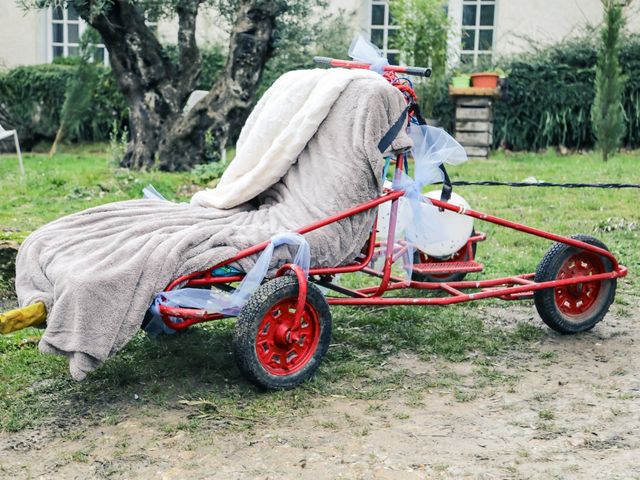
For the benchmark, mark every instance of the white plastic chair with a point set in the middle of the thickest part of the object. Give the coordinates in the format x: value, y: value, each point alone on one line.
x: 6, y: 134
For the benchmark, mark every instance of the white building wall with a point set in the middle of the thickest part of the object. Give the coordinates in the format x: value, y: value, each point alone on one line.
x: 22, y: 35
x: 358, y: 13
x: 520, y: 25
x: 211, y: 29
x: 525, y: 24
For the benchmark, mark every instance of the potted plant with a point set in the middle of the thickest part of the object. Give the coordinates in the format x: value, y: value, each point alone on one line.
x: 460, y: 79
x: 487, y: 79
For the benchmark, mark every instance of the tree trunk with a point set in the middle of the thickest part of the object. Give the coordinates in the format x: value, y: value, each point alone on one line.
x: 148, y: 124
x: 226, y: 106
x: 156, y: 90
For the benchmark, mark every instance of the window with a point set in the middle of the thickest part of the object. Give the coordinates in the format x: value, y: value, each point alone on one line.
x: 478, y: 21
x: 66, y: 28
x: 383, y: 30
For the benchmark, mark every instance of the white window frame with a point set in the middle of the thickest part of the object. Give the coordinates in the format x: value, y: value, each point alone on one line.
x: 65, y: 44
x: 477, y: 28
x: 385, y: 27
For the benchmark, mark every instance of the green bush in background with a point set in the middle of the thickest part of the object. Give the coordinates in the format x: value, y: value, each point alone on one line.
x: 607, y: 115
x: 551, y: 93
x: 32, y: 97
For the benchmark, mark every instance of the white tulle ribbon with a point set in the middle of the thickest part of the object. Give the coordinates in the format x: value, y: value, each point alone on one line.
x: 230, y: 303
x: 362, y: 50
x: 431, y: 148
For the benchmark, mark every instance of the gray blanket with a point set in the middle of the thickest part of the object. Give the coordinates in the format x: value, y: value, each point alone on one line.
x: 98, y: 270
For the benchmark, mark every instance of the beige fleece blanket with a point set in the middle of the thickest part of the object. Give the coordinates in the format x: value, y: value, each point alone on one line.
x: 287, y: 116
x: 98, y: 270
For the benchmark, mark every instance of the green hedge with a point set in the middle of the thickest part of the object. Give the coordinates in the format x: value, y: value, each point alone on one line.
x: 549, y: 102
x: 551, y: 93
x: 31, y: 99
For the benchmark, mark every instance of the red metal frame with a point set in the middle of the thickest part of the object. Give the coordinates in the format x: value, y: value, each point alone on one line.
x: 365, y: 66
x: 507, y: 288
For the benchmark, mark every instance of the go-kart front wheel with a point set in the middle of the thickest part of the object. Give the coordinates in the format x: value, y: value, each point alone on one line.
x: 270, y: 349
x: 574, y: 308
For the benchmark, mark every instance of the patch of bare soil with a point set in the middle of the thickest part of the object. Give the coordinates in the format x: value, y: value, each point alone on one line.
x: 570, y: 410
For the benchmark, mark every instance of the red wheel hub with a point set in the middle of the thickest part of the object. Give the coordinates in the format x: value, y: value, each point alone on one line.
x: 282, y: 346
x: 575, y: 300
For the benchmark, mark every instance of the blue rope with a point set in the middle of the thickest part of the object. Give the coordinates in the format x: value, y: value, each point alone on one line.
x: 387, y: 162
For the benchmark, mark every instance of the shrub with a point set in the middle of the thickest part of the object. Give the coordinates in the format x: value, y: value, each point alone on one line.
x: 422, y: 41
x: 549, y: 99
x: 551, y: 93
x: 31, y: 100
x: 607, y: 114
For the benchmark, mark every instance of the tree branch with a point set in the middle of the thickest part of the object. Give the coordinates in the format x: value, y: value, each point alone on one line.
x: 227, y: 105
x: 137, y: 57
x: 189, y: 61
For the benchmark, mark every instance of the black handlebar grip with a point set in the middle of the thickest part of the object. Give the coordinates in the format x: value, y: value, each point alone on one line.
x: 423, y: 72
x: 322, y: 60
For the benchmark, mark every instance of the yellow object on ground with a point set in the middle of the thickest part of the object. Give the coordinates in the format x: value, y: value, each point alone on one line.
x: 20, y: 318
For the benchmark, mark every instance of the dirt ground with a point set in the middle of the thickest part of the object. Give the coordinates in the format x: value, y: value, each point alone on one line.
x: 571, y: 409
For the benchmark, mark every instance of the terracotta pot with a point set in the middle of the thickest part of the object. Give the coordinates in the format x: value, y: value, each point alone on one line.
x: 484, y: 80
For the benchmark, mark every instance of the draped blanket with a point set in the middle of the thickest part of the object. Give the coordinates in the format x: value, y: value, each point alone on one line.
x: 97, y: 270
x: 287, y: 116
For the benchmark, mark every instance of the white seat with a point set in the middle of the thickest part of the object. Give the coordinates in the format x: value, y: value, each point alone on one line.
x: 8, y: 133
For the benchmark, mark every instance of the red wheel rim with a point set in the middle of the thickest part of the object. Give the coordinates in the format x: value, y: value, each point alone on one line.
x: 575, y: 300
x: 282, y: 347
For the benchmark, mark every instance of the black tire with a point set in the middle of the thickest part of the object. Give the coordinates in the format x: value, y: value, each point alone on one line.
x: 280, y: 291
x: 553, y: 303
x: 454, y: 277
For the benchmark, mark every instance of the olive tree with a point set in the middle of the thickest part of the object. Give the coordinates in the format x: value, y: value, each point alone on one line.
x: 156, y: 87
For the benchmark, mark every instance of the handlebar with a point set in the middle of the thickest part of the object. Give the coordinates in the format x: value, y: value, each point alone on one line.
x: 332, y: 62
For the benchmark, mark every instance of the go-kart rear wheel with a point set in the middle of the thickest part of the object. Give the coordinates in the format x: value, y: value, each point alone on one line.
x: 461, y: 255
x: 269, y: 348
x: 574, y: 308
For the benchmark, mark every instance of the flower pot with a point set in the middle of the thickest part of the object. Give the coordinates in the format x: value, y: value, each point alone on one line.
x: 460, y: 81
x: 484, y: 80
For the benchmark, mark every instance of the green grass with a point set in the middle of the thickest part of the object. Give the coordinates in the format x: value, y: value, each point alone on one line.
x: 195, y: 372
x: 75, y: 179
x: 611, y: 215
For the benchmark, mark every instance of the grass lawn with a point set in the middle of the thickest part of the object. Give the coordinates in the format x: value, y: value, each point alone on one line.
x: 75, y: 179
x: 198, y: 365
